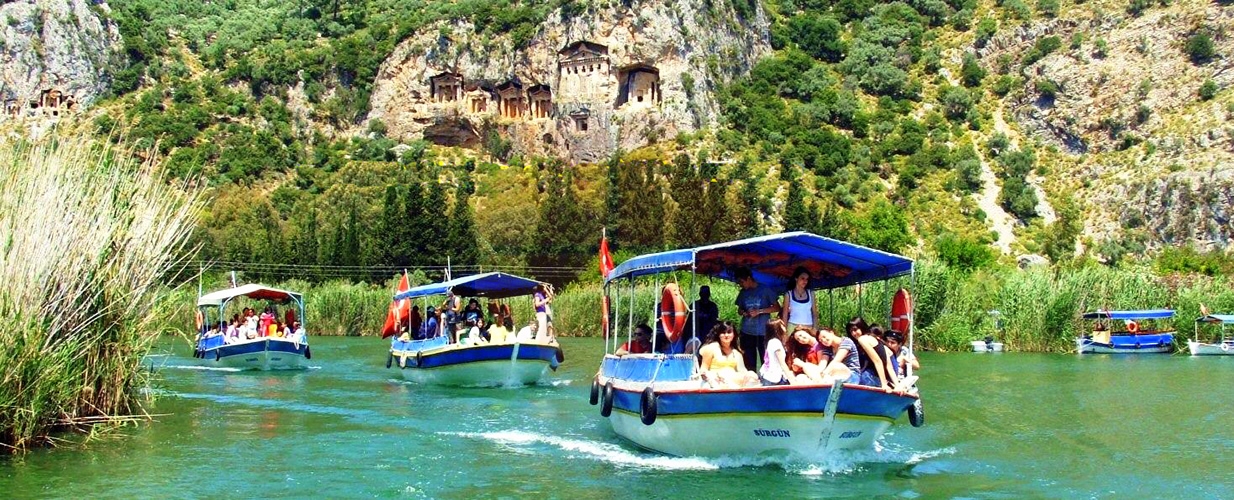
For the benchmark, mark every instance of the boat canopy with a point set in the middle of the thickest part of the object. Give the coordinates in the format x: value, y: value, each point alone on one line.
x: 1143, y: 314
x: 252, y: 291
x: 1227, y: 319
x: 491, y: 285
x: 772, y: 259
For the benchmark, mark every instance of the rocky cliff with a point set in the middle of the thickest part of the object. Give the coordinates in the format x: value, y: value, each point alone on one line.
x: 1139, y: 147
x: 55, y: 55
x: 587, y: 83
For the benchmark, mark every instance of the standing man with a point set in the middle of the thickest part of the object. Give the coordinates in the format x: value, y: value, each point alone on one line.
x: 756, y: 304
x: 704, y: 316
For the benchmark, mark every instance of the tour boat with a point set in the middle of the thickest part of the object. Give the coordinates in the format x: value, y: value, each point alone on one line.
x: 658, y: 401
x: 1131, y: 339
x: 437, y: 360
x: 988, y: 345
x: 262, y: 352
x: 1223, y: 348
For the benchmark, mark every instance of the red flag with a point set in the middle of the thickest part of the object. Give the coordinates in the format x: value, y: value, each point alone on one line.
x: 400, y: 310
x: 606, y: 260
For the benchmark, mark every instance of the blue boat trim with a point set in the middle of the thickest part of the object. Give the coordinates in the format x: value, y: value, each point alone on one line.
x: 1131, y: 315
x: 255, y: 347
x: 1133, y: 342
x: 491, y: 285
x: 484, y: 353
x: 856, y: 400
x: 419, y: 345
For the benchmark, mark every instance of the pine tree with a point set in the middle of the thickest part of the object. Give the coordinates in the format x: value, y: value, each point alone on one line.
x: 436, y: 231
x: 796, y: 214
x: 412, y: 228
x: 388, y: 229
x: 306, y: 246
x: 351, y: 255
x: 687, y: 190
x: 464, y: 250
x: 715, y: 217
x: 565, y: 235
x: 613, y: 201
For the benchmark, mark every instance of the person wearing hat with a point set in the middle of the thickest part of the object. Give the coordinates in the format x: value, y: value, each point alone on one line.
x: 901, y: 356
x: 641, y: 343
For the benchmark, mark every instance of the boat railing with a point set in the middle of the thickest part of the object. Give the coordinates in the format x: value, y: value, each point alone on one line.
x: 419, y: 345
x: 649, y: 367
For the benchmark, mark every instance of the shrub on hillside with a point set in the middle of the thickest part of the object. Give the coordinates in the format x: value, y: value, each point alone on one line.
x: 1200, y: 48
x: 971, y: 72
x: 1042, y: 48
x: 963, y: 253
x: 1208, y: 90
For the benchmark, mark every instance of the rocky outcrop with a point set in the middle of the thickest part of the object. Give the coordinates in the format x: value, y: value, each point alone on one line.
x: 55, y: 56
x: 586, y: 84
x: 1196, y: 208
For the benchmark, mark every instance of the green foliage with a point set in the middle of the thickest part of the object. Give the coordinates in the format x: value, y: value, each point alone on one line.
x: 565, y: 233
x: 1048, y: 8
x: 956, y: 102
x: 1137, y: 7
x: 882, y: 226
x: 986, y: 30
x: 1043, y: 47
x: 1046, y: 87
x: 1004, y: 85
x: 963, y: 253
x: 1208, y: 90
x: 818, y: 35
x: 1188, y: 260
x: 971, y: 72
x: 1200, y: 48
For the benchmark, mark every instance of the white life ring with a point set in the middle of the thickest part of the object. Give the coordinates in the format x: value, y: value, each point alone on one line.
x: 1225, y: 347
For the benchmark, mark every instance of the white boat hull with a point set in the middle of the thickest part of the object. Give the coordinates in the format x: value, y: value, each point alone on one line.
x: 1084, y: 346
x: 481, y: 373
x: 259, y: 354
x: 980, y: 346
x: 786, y: 437
x: 1202, y: 349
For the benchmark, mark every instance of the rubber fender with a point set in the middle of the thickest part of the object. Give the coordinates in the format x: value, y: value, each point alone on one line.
x: 595, y: 392
x: 606, y: 400
x: 217, y: 354
x: 308, y: 352
x: 389, y: 360
x: 647, y: 407
x: 916, y: 414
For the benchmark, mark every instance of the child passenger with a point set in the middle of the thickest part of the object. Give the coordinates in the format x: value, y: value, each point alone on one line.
x: 775, y: 370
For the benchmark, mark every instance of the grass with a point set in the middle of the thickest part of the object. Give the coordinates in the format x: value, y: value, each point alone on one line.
x: 86, y: 233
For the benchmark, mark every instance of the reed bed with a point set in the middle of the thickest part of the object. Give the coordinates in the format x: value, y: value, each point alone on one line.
x: 86, y: 234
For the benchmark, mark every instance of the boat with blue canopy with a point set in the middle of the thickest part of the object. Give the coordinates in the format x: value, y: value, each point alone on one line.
x: 660, y: 401
x: 435, y: 357
x: 1128, y: 332
x: 1223, y: 347
x: 265, y: 342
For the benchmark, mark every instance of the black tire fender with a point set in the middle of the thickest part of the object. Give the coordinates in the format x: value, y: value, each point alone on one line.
x: 561, y: 355
x: 916, y: 414
x: 308, y: 352
x: 606, y: 400
x: 595, y: 392
x: 390, y: 360
x: 218, y: 354
x: 647, y: 407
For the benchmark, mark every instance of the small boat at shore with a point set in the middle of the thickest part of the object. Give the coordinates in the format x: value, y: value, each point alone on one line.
x: 438, y: 359
x: 256, y: 349
x: 660, y: 402
x: 987, y: 345
x: 1133, y: 338
x: 1224, y: 347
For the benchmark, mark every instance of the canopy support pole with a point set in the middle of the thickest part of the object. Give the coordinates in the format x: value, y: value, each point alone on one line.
x: 630, y: 323
x: 655, y: 307
x: 616, y: 313
x: 831, y: 308
x: 912, y: 316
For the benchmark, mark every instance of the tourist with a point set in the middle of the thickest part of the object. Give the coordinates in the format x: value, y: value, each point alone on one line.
x: 500, y: 332
x: 414, y: 320
x: 841, y: 354
x: 756, y: 304
x: 263, y: 323
x: 472, y: 313
x: 901, y: 355
x: 722, y: 365
x: 806, y: 358
x: 233, y: 329
x: 451, y: 309
x: 274, y: 329
x: 775, y: 370
x: 703, y: 317
x: 640, y: 344
x: 541, y: 299
x: 800, y: 308
x: 872, y: 356
x: 528, y: 332
x: 297, y: 332
x: 432, y: 326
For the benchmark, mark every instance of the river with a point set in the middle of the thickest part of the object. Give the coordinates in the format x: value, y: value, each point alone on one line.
x: 1004, y: 425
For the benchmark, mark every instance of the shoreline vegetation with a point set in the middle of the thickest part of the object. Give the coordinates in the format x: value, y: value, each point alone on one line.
x: 1040, y: 307
x: 87, y: 234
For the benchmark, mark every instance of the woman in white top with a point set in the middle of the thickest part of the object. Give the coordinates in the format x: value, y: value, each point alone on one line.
x: 800, y: 308
x: 775, y: 370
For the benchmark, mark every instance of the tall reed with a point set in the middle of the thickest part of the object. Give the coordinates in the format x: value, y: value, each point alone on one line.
x: 86, y: 233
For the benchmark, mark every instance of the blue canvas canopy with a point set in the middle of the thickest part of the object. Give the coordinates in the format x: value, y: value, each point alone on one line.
x: 1143, y: 314
x: 1217, y: 318
x: 772, y: 259
x: 491, y: 285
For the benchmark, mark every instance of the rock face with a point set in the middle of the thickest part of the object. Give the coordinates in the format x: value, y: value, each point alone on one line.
x: 585, y: 85
x: 54, y: 56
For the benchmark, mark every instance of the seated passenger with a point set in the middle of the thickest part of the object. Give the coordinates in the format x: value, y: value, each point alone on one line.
x: 297, y: 332
x: 839, y: 353
x: 901, y: 357
x: 527, y: 333
x: 806, y: 358
x: 775, y: 370
x: 723, y: 366
x: 872, y: 356
x: 641, y: 344
x: 274, y: 329
x: 501, y: 333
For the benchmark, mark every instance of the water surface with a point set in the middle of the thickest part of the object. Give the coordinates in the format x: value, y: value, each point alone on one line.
x: 998, y: 426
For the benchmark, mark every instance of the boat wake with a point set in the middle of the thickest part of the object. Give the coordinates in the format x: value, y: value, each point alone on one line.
x: 837, y: 463
x: 201, y: 368
x: 579, y: 448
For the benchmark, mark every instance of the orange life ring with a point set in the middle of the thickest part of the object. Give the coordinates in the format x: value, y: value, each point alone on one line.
x: 672, y: 311
x: 1132, y: 326
x: 604, y: 316
x: 199, y: 319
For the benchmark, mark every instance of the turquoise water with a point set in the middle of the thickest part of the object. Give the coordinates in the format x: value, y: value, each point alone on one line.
x: 998, y: 426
